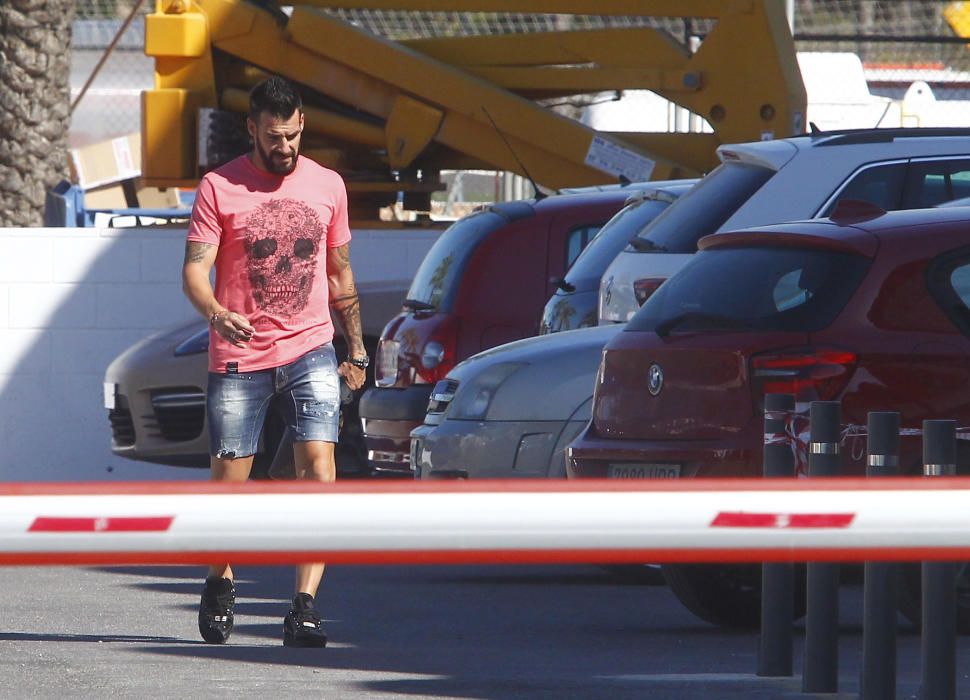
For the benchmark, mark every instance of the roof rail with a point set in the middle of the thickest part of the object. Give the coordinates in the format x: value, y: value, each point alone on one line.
x: 853, y: 136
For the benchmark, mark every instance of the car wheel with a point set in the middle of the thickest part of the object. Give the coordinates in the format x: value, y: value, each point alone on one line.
x: 910, y: 594
x: 727, y: 595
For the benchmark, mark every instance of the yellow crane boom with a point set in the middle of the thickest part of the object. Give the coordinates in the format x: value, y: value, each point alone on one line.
x: 391, y: 114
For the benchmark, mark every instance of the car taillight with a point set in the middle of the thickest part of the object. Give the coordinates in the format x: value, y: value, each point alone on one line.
x: 385, y: 363
x: 643, y: 288
x: 808, y: 373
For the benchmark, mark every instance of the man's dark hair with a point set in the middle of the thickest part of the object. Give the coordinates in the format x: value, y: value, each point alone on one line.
x: 276, y: 96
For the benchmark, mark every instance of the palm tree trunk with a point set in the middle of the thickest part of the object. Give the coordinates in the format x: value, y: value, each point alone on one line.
x: 35, y: 63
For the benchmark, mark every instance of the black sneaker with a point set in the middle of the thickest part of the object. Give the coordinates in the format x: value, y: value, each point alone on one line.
x: 302, y: 626
x: 215, y: 609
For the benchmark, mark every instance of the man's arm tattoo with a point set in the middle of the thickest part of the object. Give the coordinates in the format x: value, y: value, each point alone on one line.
x: 340, y: 260
x: 195, y: 252
x: 347, y: 310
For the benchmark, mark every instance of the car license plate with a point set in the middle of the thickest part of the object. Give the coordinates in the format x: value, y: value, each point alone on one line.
x: 644, y: 471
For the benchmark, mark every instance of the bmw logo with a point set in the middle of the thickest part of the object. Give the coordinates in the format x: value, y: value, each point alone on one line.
x: 655, y: 379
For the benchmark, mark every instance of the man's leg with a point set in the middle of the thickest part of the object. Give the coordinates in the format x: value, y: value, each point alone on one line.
x: 302, y: 626
x: 216, y: 616
x: 235, y: 408
x: 314, y: 416
x: 228, y: 471
x: 314, y: 462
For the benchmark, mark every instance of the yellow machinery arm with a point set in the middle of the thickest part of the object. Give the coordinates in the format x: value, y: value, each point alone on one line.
x: 390, y: 115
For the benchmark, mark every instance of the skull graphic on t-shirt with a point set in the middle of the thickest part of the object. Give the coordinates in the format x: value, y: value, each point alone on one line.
x: 282, y: 241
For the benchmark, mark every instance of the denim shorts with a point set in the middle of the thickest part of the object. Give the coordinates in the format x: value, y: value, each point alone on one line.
x: 306, y: 391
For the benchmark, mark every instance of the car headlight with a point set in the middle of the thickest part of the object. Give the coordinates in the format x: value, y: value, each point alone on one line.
x: 474, y: 396
x: 194, y: 344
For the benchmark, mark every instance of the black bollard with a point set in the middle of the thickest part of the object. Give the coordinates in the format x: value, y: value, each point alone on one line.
x: 939, y: 605
x: 878, y: 680
x: 777, y: 580
x: 821, y: 667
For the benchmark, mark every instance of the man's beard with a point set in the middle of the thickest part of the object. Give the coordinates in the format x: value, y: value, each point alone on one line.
x: 273, y: 165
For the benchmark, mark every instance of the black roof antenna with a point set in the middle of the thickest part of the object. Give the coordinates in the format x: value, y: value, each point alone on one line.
x: 539, y: 194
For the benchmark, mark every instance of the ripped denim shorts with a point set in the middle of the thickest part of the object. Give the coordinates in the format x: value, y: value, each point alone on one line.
x: 306, y: 392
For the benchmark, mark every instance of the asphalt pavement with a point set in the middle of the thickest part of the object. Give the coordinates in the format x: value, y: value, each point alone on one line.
x: 489, y: 632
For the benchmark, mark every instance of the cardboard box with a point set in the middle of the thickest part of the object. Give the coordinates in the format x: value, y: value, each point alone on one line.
x: 106, y: 162
x: 105, y: 197
x: 113, y: 197
x: 101, y: 170
x: 159, y: 198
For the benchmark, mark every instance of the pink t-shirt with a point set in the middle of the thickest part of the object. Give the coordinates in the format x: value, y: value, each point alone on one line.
x: 272, y: 232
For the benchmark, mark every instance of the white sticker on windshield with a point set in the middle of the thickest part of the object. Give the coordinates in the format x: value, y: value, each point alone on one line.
x: 612, y: 158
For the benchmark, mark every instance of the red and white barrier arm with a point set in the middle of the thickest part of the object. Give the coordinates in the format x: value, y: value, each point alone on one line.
x: 487, y: 521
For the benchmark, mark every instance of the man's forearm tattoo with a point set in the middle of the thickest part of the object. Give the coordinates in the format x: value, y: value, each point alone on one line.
x: 195, y: 252
x: 341, y: 258
x: 347, y: 310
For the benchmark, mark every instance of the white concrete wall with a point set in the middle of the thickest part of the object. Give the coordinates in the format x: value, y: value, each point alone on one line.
x: 73, y: 299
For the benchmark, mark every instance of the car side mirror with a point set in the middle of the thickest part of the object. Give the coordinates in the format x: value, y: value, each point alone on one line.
x: 561, y: 283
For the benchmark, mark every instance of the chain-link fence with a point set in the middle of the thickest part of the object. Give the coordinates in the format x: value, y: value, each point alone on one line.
x: 913, y: 54
x: 110, y: 105
x: 913, y: 33
x: 905, y: 48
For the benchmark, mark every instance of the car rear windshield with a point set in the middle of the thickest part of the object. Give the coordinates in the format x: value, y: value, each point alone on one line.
x: 754, y: 289
x: 612, y: 238
x: 702, y: 210
x: 435, y: 282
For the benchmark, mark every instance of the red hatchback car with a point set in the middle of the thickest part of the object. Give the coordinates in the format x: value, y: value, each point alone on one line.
x: 872, y: 310
x: 483, y: 283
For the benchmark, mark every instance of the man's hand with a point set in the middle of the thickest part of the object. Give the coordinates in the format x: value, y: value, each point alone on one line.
x: 233, y: 327
x: 354, y: 375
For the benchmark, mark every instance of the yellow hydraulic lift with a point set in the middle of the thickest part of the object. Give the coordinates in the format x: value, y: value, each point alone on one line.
x: 391, y: 114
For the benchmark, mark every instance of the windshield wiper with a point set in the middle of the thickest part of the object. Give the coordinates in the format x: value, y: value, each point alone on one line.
x: 703, y: 317
x: 644, y: 245
x: 417, y: 305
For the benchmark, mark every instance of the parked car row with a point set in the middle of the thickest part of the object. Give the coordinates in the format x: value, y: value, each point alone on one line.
x: 654, y: 357
x: 483, y: 283
x: 514, y: 411
x: 906, y: 168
